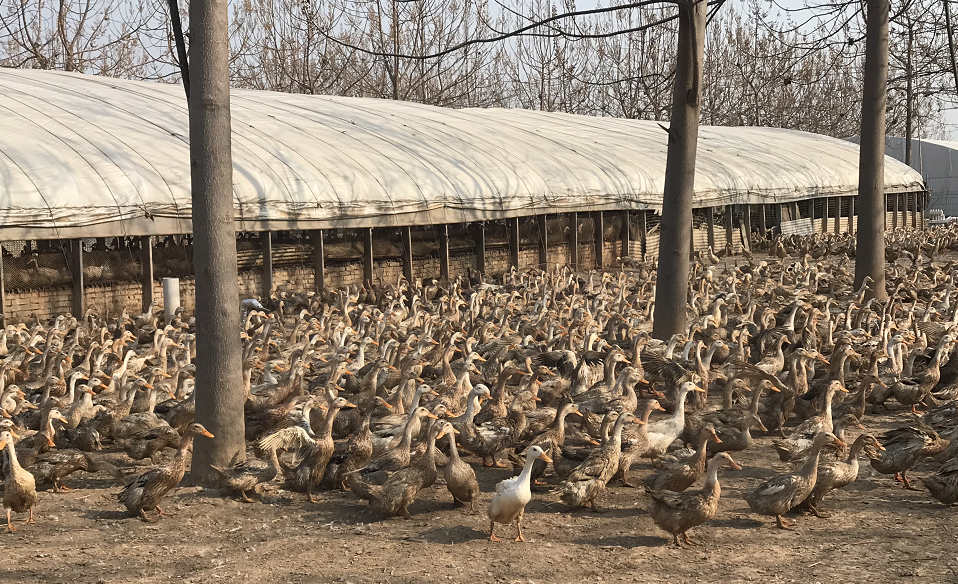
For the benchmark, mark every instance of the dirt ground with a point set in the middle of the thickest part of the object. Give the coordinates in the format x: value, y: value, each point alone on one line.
x: 878, y: 533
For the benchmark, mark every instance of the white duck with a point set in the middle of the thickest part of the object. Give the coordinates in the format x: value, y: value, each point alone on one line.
x: 664, y: 432
x: 512, y: 496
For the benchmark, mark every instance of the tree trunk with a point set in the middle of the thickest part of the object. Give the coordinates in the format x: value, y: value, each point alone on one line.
x: 909, y: 93
x: 951, y: 43
x: 870, y: 258
x: 219, y: 383
x: 674, y: 244
x: 180, y: 45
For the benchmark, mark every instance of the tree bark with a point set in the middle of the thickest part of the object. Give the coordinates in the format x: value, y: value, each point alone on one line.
x: 870, y: 257
x: 181, y: 55
x: 219, y: 383
x: 674, y: 244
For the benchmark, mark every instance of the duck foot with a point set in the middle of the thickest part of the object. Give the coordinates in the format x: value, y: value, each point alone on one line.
x: 61, y: 489
x: 492, y: 531
x: 245, y: 498
x: 685, y: 538
x: 595, y: 508
x: 10, y: 526
x: 784, y: 523
x: 626, y: 483
x: 820, y: 514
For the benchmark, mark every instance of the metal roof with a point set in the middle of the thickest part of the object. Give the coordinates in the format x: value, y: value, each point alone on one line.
x: 95, y: 156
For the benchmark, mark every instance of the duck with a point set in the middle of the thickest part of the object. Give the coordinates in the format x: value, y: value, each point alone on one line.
x: 148, y: 489
x: 395, y: 458
x: 783, y: 492
x: 801, y: 438
x: 242, y: 476
x: 512, y: 495
x: 664, y: 432
x: 394, y: 496
x: 943, y: 485
x: 52, y: 467
x: 569, y: 457
x: 305, y: 476
x: 588, y: 480
x: 149, y: 443
x: 356, y: 452
x: 677, y: 513
x: 683, y: 475
x: 838, y: 474
x: 636, y: 443
x: 553, y: 438
x: 19, y: 486
x: 459, y: 476
x: 903, y: 448
x: 736, y: 438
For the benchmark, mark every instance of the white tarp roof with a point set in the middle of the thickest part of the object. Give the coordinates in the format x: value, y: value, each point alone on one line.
x: 937, y: 161
x: 94, y: 156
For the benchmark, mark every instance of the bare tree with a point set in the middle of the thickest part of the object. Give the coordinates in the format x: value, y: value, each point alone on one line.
x: 219, y: 382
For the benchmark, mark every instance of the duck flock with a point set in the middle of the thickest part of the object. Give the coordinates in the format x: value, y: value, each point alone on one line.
x: 385, y: 390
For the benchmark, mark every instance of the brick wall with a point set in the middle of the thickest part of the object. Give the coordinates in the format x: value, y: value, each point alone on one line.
x: 111, y: 299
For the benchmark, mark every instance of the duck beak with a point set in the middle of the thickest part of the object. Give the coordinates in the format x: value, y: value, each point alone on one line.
x: 881, y: 383
x: 50, y: 442
x: 536, y: 398
x: 322, y: 407
x: 697, y: 388
x: 3, y: 444
x: 432, y: 415
x: 761, y: 426
x: 433, y: 392
x: 480, y: 359
x: 440, y: 434
x: 385, y: 404
x: 734, y: 464
x: 545, y: 457
x: 880, y: 447
x: 576, y: 412
x: 350, y: 405
x: 840, y: 443
x: 640, y: 422
x: 842, y: 389
x: 206, y: 433
x: 716, y: 438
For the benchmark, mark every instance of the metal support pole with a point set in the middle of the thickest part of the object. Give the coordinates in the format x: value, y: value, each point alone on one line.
x: 406, y: 233
x: 748, y: 226
x: 543, y: 224
x: 851, y: 215
x: 368, y: 256
x: 443, y: 251
x: 574, y: 240
x: 598, y: 229
x: 481, y: 247
x: 76, y: 270
x: 146, y: 277
x: 762, y: 221
x: 626, y: 235
x: 710, y: 219
x: 266, y: 240
x: 779, y: 216
x: 319, y: 260
x: 914, y: 209
x: 513, y: 228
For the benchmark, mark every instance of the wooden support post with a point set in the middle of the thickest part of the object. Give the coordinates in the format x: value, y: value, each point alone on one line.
x: 838, y: 214
x: 625, y: 234
x: 644, y: 236
x: 574, y: 241
x: 319, y: 261
x: 3, y: 293
x: 512, y: 226
x: 598, y: 229
x: 266, y: 240
x: 914, y: 209
x: 368, y: 256
x: 779, y: 215
x: 146, y: 276
x: 729, y: 226
x: 748, y: 226
x: 443, y: 251
x: 710, y: 219
x: 762, y: 221
x: 691, y: 237
x: 406, y: 233
x: 543, y: 226
x: 824, y: 215
x: 851, y: 215
x: 76, y: 270
x: 481, y: 247
x: 895, y: 210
